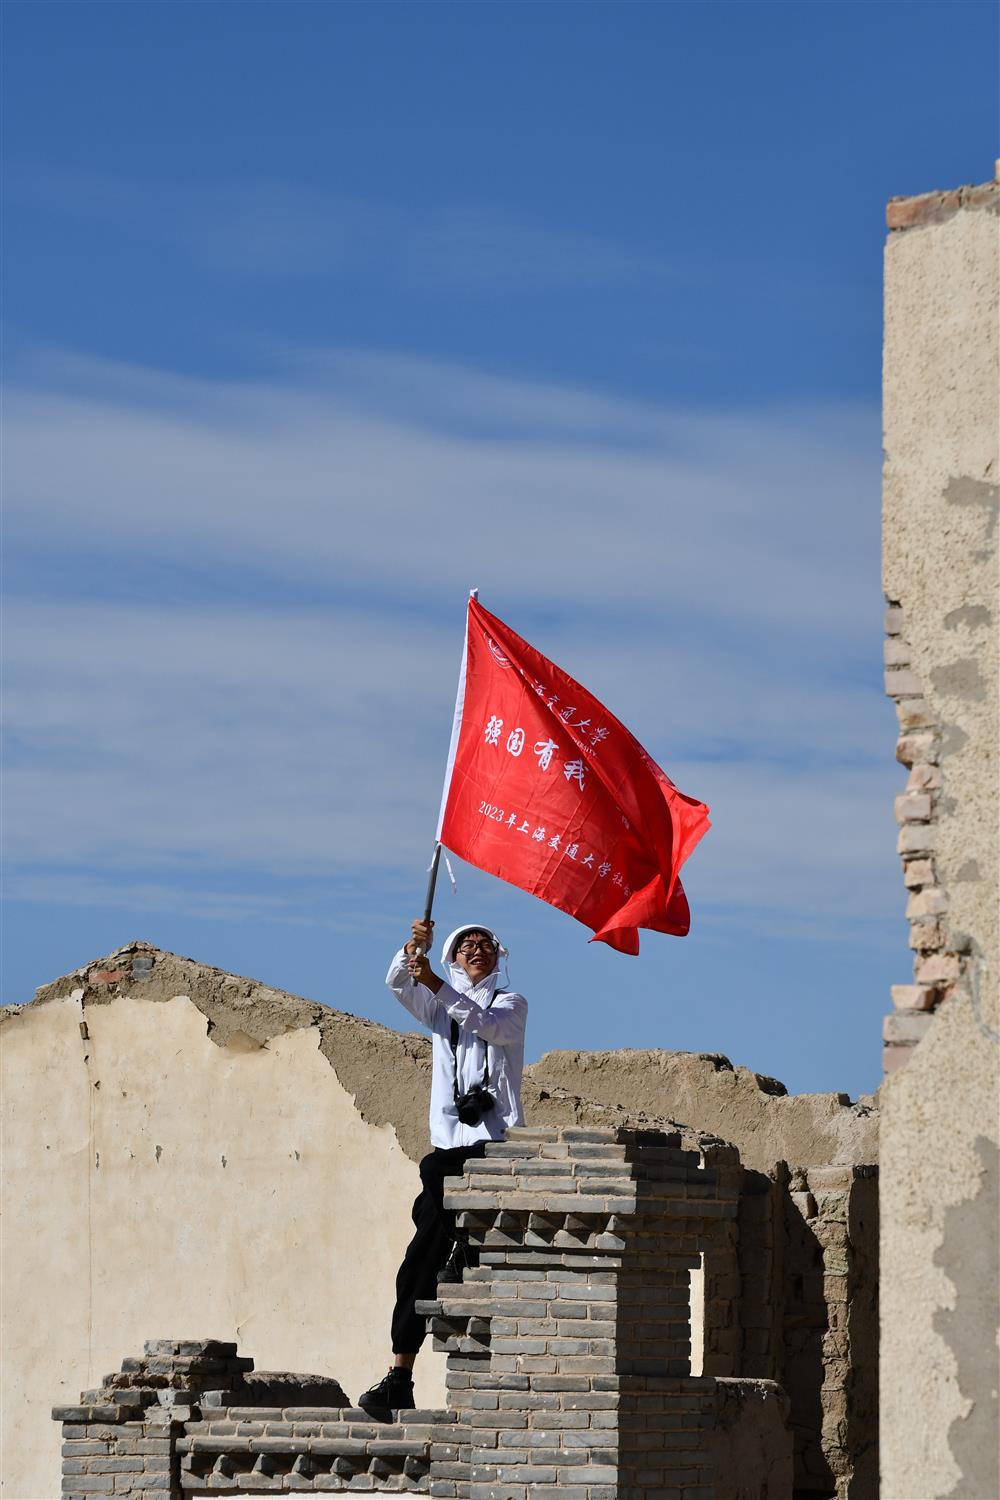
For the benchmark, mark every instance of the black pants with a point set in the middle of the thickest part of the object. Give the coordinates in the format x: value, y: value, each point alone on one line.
x: 429, y: 1248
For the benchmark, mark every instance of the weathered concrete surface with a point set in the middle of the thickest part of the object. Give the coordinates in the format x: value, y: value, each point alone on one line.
x: 939, y: 1358
x: 708, y: 1093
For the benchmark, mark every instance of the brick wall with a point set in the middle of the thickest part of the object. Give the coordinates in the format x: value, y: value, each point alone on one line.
x: 939, y: 958
x: 568, y: 1353
x: 792, y: 1297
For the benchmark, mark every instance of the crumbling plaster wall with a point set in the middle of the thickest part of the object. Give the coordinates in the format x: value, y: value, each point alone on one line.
x: 939, y: 1356
x: 155, y: 1179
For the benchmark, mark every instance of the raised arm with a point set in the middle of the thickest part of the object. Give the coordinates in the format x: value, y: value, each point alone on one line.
x: 502, y: 1023
x: 416, y: 998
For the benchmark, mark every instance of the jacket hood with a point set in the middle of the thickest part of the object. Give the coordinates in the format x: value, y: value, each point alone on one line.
x: 484, y: 990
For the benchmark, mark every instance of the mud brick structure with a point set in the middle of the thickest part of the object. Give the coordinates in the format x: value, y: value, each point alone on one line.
x: 791, y: 1296
x: 568, y: 1359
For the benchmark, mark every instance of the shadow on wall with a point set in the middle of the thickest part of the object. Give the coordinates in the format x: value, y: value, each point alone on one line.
x: 806, y: 1260
x: 806, y: 1327
x: 970, y: 1243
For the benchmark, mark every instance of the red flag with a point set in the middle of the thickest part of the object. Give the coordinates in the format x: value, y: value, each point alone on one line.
x: 551, y: 792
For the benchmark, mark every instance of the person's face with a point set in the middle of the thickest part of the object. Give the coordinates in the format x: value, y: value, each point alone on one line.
x: 476, y: 954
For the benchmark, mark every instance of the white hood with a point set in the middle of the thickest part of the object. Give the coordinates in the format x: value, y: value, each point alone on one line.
x: 456, y: 976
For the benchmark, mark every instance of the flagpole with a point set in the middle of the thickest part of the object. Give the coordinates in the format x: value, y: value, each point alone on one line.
x: 432, y: 875
x: 432, y: 872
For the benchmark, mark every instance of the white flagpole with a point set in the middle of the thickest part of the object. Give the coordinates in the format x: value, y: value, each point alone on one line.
x: 456, y: 729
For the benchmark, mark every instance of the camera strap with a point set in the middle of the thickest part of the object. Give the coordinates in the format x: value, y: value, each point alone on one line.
x: 454, y: 1053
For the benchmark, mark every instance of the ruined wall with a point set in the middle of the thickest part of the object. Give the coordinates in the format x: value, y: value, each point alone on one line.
x: 187, y: 1148
x: 939, y: 1132
x: 567, y: 1350
x: 791, y: 1296
x: 755, y: 1113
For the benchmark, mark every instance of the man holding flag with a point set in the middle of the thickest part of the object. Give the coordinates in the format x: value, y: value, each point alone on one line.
x: 477, y: 1061
x: 546, y: 788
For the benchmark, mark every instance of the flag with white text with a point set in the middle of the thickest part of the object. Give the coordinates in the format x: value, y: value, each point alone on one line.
x: 548, y: 790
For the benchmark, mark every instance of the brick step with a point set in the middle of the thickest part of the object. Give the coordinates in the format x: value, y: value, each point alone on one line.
x: 367, y: 1455
x: 304, y: 1421
x: 506, y: 1151
x: 567, y: 1184
x: 589, y: 1135
x: 537, y: 1175
x: 587, y: 1151
x: 387, y: 1472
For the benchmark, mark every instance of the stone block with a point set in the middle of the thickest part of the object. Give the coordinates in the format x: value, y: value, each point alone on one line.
x: 938, y: 969
x: 924, y: 777
x: 904, y: 213
x: 929, y: 902
x: 917, y: 746
x: 918, y: 871
x: 914, y: 713
x: 916, y: 838
x: 902, y: 683
x: 927, y: 936
x: 914, y: 996
x: 913, y: 807
x: 903, y: 1026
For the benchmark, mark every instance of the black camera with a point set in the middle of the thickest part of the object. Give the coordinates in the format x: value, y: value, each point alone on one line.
x: 473, y: 1105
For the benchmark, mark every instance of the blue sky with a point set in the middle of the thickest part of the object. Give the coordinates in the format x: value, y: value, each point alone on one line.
x: 317, y: 315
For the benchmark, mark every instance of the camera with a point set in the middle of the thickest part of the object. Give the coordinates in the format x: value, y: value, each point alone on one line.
x: 473, y: 1105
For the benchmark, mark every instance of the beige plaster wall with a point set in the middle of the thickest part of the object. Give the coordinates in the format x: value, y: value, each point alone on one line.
x: 939, y: 1129
x: 159, y: 1182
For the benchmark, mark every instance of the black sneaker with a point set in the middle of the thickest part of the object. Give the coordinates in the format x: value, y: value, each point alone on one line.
x: 394, y: 1392
x: 462, y: 1258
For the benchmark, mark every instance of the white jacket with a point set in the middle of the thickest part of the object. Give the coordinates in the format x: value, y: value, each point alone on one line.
x: 491, y: 1029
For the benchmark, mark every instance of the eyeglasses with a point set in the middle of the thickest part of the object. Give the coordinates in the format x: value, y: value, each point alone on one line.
x: 484, y: 947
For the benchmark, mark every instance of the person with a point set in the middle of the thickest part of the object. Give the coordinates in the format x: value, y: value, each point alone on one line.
x: 477, y: 1062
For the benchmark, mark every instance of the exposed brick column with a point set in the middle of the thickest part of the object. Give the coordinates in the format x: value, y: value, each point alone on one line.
x: 938, y: 957
x: 829, y: 1350
x: 726, y: 1308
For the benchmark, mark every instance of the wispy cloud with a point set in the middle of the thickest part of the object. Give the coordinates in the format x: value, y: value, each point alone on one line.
x: 283, y: 229
x: 537, y: 494
x: 713, y: 578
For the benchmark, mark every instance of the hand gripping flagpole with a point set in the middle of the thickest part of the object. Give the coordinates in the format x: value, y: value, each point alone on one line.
x: 432, y: 869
